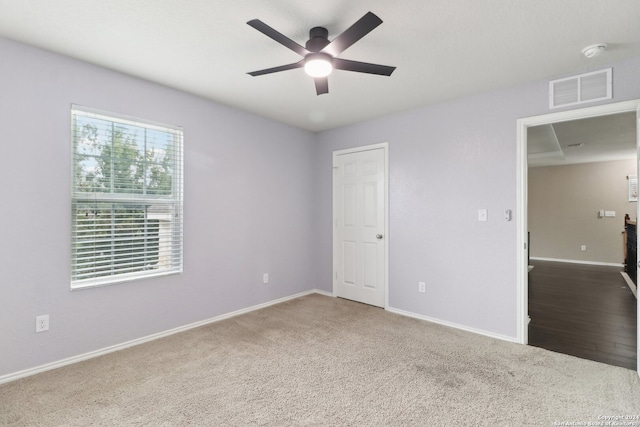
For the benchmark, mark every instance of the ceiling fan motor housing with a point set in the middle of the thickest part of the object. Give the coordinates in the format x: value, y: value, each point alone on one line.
x: 318, y: 39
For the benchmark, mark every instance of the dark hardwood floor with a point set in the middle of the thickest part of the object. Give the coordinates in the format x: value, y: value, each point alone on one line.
x: 583, y: 310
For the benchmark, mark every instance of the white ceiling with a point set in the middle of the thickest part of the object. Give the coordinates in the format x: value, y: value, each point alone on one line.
x: 596, y: 139
x: 443, y: 49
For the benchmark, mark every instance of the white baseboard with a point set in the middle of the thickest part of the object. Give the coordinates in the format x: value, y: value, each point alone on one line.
x: 453, y: 325
x: 575, y: 261
x: 630, y: 283
x: 438, y: 321
x: 325, y: 293
x: 90, y: 355
x: 79, y: 358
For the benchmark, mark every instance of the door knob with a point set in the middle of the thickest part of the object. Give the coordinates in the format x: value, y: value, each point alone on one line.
x: 379, y: 236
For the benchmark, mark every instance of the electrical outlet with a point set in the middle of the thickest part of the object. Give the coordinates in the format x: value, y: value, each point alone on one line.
x: 42, y: 323
x: 422, y: 287
x: 265, y: 278
x: 583, y: 248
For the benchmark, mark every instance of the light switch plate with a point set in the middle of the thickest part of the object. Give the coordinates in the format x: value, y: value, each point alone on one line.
x: 482, y: 214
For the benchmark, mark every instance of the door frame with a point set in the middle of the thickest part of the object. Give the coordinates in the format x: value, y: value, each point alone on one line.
x: 522, y: 184
x: 385, y: 147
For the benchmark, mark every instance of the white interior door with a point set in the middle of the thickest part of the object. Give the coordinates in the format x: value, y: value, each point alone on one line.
x: 360, y: 225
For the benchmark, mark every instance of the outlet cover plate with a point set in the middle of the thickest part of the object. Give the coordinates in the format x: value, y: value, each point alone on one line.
x: 42, y: 323
x: 422, y: 287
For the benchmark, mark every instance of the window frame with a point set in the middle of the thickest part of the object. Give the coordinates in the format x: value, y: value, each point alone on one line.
x: 171, y: 206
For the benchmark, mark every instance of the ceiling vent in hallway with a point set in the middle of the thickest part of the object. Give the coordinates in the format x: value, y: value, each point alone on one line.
x: 588, y: 87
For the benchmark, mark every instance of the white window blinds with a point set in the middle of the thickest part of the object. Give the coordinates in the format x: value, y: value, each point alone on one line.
x: 126, y: 199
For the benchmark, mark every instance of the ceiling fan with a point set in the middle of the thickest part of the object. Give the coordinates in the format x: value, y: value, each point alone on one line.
x: 320, y: 54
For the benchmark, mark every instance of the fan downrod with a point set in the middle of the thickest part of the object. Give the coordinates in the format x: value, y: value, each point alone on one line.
x: 318, y: 39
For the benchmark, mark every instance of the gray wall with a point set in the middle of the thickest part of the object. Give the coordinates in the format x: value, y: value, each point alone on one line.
x: 446, y: 162
x: 563, y: 210
x: 248, y: 210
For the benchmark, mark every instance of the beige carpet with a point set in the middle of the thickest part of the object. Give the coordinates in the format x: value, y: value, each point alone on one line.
x: 321, y: 361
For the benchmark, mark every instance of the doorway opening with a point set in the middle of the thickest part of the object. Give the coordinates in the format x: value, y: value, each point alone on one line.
x: 523, y: 126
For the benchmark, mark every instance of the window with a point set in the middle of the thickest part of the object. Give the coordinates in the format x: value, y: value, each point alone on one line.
x: 126, y: 199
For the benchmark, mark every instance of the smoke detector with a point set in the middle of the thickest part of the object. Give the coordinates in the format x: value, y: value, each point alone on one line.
x: 594, y: 50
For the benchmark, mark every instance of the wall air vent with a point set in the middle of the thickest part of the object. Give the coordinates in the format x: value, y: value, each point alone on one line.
x: 588, y: 87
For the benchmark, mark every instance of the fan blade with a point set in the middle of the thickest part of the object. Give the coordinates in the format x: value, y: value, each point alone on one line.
x: 280, y: 38
x: 322, y: 85
x: 352, y: 34
x: 362, y: 67
x: 293, y: 66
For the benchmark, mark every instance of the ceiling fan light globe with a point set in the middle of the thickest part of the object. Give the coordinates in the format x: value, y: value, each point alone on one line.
x: 318, y: 67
